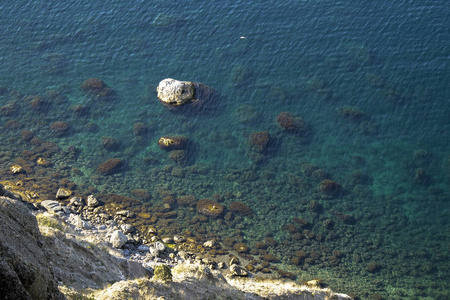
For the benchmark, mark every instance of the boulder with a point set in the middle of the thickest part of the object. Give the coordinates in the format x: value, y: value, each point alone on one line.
x: 51, y: 206
x: 118, y: 239
x: 173, y: 92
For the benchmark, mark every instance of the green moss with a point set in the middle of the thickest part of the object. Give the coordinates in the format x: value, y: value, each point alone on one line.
x: 49, y: 222
x: 79, y: 295
x: 163, y: 273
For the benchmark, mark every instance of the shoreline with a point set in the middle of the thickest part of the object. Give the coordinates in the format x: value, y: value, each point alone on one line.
x: 59, y: 222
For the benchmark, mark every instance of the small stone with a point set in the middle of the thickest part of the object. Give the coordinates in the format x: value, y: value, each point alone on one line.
x: 63, y: 193
x: 76, y: 201
x: 183, y: 254
x: 127, y: 228
x: 315, y: 283
x: 160, y: 246
x: 221, y: 265
x: 179, y: 239
x: 236, y: 270
x: 209, y: 244
x: 78, y: 222
x: 167, y: 240
x: 104, y: 216
x: 234, y: 261
x: 154, y: 239
x: 92, y: 201
x: 52, y: 206
x: 15, y: 169
x: 151, y: 230
x: 143, y: 248
x: 118, y: 239
x: 43, y: 162
x: 124, y: 213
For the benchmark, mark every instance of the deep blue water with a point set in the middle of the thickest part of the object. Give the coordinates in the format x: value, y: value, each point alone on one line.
x: 388, y: 60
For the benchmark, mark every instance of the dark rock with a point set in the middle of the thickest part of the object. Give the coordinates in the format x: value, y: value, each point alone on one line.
x: 24, y: 268
x: 112, y: 165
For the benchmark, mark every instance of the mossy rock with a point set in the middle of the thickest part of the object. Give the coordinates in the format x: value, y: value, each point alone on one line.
x: 162, y: 273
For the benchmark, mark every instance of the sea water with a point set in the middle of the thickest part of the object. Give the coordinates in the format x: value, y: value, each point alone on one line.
x: 368, y: 78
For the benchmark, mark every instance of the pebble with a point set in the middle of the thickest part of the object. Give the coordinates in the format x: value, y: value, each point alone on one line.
x: 76, y: 201
x: 143, y: 248
x: 124, y: 213
x: 167, y: 240
x: 92, y: 201
x: 209, y: 244
x: 160, y: 246
x: 127, y: 228
x: 236, y: 270
x: 179, y: 239
x: 63, y: 193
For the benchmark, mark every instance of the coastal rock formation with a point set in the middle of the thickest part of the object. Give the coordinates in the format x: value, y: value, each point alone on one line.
x: 33, y: 259
x: 174, y: 92
x: 24, y: 264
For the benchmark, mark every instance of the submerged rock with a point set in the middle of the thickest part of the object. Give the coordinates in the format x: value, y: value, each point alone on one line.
x: 112, y: 165
x: 209, y: 208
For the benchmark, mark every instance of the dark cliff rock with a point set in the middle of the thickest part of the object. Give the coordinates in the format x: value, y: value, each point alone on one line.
x: 24, y: 265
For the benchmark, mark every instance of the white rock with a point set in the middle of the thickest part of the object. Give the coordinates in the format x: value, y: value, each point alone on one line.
x: 127, y: 228
x: 175, y: 92
x: 92, y: 201
x: 179, y: 239
x: 160, y: 246
x: 209, y: 244
x: 52, y: 205
x: 118, y: 239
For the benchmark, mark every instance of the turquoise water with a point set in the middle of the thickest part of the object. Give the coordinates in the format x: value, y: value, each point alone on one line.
x: 386, y: 64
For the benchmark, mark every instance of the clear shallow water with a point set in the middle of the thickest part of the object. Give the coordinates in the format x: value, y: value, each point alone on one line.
x: 310, y: 58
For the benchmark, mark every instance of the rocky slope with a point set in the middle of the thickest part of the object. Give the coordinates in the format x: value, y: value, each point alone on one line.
x: 43, y: 249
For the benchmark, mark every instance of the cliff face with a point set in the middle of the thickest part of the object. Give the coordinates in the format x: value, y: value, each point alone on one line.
x: 24, y: 264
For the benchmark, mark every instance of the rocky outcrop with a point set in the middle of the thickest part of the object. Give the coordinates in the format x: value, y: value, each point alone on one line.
x: 24, y: 266
x: 176, y: 94
x: 193, y: 281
